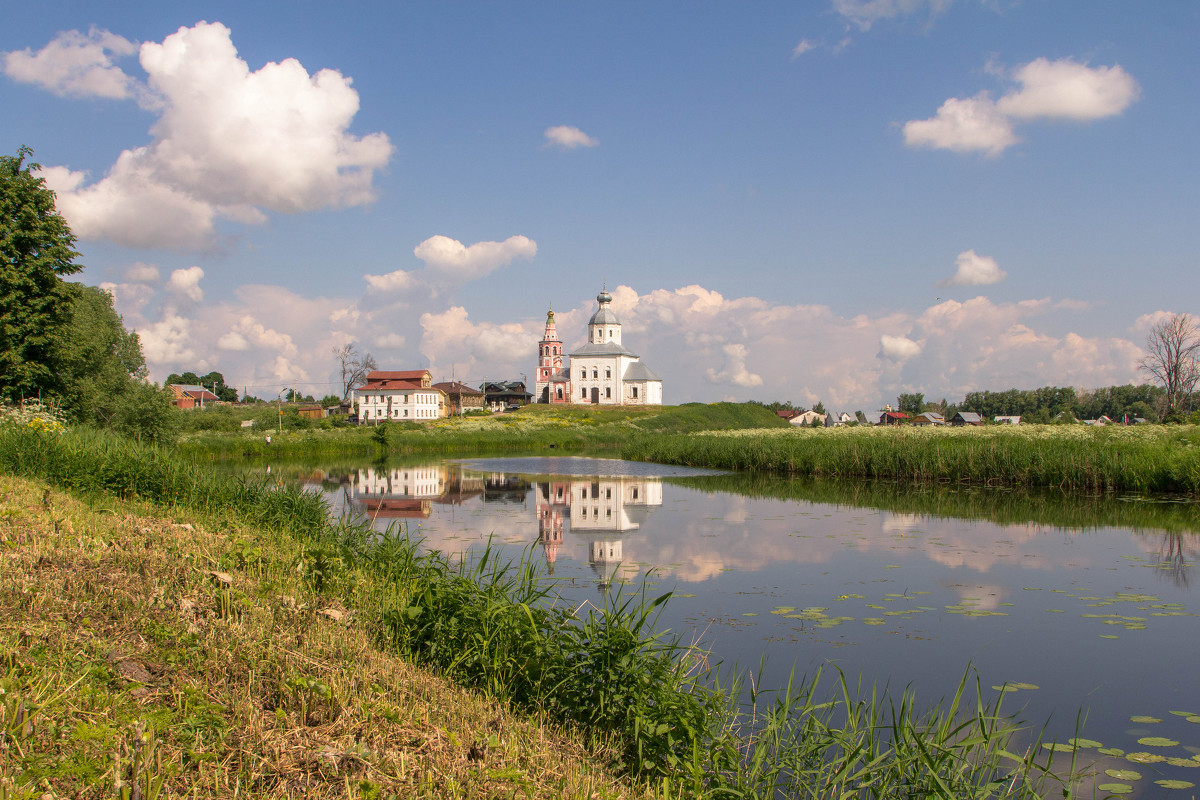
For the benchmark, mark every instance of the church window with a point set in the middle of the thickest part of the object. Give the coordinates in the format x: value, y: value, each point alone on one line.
x: 560, y: 394
x: 595, y: 373
x: 608, y: 372
x: 608, y: 391
x: 583, y: 392
x: 634, y: 392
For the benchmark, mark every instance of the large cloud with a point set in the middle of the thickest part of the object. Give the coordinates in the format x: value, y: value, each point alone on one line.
x: 229, y: 143
x: 1049, y: 90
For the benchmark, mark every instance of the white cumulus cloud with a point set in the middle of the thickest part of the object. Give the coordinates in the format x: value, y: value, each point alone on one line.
x: 972, y: 269
x: 567, y: 137
x: 1048, y: 90
x: 898, y: 348
x: 228, y: 143
x: 75, y: 64
x: 186, y: 283
x: 450, y: 256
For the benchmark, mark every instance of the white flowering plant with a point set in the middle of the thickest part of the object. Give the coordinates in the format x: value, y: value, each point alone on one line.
x: 35, y: 415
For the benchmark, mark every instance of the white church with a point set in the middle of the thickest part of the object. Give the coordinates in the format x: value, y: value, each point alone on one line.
x: 601, y: 372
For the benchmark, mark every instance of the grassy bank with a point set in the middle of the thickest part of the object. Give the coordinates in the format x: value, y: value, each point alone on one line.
x: 217, y: 619
x: 532, y: 427
x: 149, y: 657
x: 1074, y: 457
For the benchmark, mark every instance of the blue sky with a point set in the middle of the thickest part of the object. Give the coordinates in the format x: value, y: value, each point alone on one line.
x: 789, y: 201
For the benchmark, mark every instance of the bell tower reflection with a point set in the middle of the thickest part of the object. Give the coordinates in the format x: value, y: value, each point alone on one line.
x: 599, y: 510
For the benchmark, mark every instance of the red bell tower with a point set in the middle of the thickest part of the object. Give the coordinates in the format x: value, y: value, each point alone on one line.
x: 550, y: 361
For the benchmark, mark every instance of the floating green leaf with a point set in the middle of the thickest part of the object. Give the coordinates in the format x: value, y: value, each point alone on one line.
x: 1157, y: 741
x: 874, y: 621
x: 1115, y: 788
x: 1115, y: 752
x: 1057, y: 747
x: 1183, y: 762
x: 1123, y: 774
x: 1144, y: 719
x: 1169, y: 784
x: 1145, y: 758
x: 1085, y: 742
x: 1185, y: 713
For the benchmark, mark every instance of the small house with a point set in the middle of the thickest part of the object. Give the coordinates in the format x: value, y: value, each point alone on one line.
x: 1007, y: 420
x: 966, y: 418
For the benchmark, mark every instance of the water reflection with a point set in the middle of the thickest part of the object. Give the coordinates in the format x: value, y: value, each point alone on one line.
x: 1086, y: 597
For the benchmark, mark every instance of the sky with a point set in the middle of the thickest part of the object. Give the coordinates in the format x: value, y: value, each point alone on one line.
x: 834, y: 201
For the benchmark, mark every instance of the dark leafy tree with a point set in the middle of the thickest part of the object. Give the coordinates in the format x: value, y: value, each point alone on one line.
x: 96, y: 358
x: 37, y: 249
x: 910, y: 403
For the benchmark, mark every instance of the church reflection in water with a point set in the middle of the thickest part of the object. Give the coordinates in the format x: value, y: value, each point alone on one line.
x: 596, y: 511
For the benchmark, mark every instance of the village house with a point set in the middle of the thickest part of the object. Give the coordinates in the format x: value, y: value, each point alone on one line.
x: 190, y: 395
x: 400, y: 396
x: 502, y: 395
x: 1007, y: 420
x: 966, y: 418
x: 601, y: 372
x: 894, y: 418
x: 460, y: 398
x: 807, y: 418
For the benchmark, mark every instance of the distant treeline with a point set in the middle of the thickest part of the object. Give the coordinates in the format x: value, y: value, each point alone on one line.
x: 1047, y: 404
x: 1050, y: 403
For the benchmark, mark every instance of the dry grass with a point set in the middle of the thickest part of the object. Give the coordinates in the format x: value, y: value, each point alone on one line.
x: 147, y: 657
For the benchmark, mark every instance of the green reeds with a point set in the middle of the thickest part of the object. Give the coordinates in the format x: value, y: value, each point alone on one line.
x: 1135, y: 459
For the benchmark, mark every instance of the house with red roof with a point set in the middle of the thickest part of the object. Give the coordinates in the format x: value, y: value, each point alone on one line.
x: 398, y: 396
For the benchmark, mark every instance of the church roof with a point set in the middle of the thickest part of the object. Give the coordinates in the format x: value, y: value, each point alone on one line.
x: 605, y: 349
x: 604, y: 316
x: 637, y: 371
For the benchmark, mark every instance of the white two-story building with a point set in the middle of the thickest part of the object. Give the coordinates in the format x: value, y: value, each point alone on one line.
x: 398, y: 396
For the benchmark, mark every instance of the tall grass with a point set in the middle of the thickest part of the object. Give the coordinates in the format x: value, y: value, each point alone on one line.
x: 1138, y: 459
x: 606, y: 670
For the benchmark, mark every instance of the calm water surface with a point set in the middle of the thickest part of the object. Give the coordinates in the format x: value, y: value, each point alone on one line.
x: 1086, y: 603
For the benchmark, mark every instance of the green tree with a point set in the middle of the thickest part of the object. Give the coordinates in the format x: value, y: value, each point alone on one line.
x: 910, y: 403
x: 37, y: 249
x: 96, y: 358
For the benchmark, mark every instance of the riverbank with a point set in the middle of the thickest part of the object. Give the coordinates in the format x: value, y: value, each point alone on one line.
x: 533, y: 427
x: 266, y: 636
x: 1142, y: 459
x: 184, y: 655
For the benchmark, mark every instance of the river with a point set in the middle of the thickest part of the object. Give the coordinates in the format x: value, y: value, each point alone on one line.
x: 1069, y: 605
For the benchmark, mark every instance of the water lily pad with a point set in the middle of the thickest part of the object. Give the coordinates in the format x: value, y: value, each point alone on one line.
x: 1170, y: 784
x: 1123, y: 774
x: 1006, y: 688
x: 1145, y: 758
x: 874, y: 621
x: 1108, y: 636
x: 1057, y: 747
x: 749, y: 613
x: 1116, y: 752
x: 1193, y: 719
x: 1085, y: 742
x: 1183, y: 762
x: 1184, y: 713
x: 1144, y: 719
x: 1157, y: 741
x: 1115, y: 788
x: 1029, y: 686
